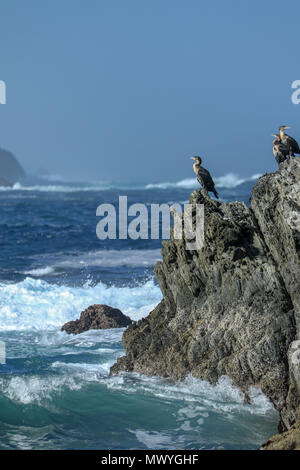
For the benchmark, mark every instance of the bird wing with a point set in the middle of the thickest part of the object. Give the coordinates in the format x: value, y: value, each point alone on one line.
x: 281, y: 152
x: 294, y: 144
x: 206, y: 178
x: 283, y: 148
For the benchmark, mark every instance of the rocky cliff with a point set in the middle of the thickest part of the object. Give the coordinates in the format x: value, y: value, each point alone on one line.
x: 232, y: 307
x: 10, y: 169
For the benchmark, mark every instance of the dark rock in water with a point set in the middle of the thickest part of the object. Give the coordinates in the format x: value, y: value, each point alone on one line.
x: 10, y: 169
x: 233, y: 307
x: 97, y: 317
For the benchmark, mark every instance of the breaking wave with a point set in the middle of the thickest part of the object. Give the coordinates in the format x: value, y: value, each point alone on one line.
x: 100, y: 258
x: 223, y: 398
x: 37, y: 305
x: 230, y: 180
x: 64, y: 188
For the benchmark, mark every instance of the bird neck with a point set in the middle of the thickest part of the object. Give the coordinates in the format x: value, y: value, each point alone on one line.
x: 282, y: 134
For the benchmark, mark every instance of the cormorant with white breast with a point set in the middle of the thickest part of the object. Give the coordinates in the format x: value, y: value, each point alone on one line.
x: 289, y: 141
x: 203, y: 176
x: 281, y: 151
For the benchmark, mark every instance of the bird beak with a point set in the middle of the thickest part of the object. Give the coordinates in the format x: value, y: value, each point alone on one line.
x: 192, y: 158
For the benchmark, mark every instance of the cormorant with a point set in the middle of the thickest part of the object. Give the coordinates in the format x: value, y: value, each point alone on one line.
x: 281, y: 151
x: 289, y: 141
x: 203, y: 176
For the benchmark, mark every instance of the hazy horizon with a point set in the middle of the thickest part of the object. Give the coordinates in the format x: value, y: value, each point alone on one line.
x: 128, y: 91
x: 230, y: 179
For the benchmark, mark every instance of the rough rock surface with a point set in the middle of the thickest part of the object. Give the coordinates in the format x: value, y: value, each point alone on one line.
x: 97, y: 317
x: 232, y: 307
x: 288, y: 440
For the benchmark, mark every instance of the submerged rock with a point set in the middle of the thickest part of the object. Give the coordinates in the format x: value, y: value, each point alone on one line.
x: 97, y: 317
x: 231, y: 308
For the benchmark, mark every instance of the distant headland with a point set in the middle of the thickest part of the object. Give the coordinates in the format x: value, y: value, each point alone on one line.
x: 10, y: 169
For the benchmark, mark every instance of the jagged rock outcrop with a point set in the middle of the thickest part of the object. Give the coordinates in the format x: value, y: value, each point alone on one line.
x: 232, y: 307
x: 97, y: 317
x: 276, y: 204
x: 10, y: 169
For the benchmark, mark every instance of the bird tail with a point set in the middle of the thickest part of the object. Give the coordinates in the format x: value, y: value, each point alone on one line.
x: 216, y: 194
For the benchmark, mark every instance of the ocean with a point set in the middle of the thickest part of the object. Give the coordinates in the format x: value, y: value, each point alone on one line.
x: 55, y: 389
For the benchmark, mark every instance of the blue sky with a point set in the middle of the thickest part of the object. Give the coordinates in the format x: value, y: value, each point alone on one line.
x: 128, y: 90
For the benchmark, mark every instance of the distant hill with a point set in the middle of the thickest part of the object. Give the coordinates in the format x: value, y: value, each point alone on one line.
x: 10, y: 169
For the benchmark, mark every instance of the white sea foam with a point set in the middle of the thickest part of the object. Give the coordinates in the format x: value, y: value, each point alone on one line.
x: 187, y: 183
x: 35, y: 389
x: 63, y: 188
x: 229, y: 180
x: 222, y: 397
x: 198, y: 398
x: 88, y: 370
x: 232, y: 180
x: 36, y: 304
x: 39, y: 272
x: 158, y: 440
